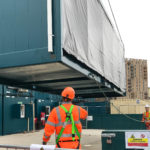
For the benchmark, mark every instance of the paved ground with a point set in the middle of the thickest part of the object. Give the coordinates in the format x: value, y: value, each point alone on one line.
x: 91, y: 139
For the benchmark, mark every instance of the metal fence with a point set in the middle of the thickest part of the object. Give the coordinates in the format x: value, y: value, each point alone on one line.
x: 13, y: 147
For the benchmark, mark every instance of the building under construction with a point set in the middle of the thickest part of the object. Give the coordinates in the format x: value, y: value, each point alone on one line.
x: 137, y: 89
x: 136, y: 79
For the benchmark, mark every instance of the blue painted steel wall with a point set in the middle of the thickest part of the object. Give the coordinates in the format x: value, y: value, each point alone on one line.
x: 102, y: 119
x: 44, y: 99
x: 40, y: 106
x: 97, y: 108
x: 23, y: 31
x: 11, y: 121
x: 13, y: 124
x: 46, y: 96
x: 0, y: 109
x: 94, y: 104
x: 115, y: 122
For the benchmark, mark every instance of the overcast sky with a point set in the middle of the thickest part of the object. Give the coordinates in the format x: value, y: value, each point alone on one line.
x: 133, y: 19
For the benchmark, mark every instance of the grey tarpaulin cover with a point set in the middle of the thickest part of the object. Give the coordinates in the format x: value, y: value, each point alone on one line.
x: 89, y: 36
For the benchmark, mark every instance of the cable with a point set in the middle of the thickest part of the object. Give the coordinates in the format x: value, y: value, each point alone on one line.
x: 124, y: 114
x: 115, y: 22
x: 112, y: 103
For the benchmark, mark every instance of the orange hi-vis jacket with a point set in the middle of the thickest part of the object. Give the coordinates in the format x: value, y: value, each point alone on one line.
x: 146, y: 116
x: 56, y: 121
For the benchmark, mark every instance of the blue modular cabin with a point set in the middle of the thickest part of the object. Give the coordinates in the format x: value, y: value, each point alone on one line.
x: 47, y: 45
x: 1, y: 110
x: 16, y: 110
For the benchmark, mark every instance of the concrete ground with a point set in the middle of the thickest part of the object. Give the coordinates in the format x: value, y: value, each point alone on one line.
x: 91, y: 139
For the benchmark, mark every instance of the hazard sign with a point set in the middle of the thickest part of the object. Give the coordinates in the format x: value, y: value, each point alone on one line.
x: 137, y: 140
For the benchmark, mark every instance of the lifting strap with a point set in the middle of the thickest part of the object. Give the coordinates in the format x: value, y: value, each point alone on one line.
x: 69, y: 116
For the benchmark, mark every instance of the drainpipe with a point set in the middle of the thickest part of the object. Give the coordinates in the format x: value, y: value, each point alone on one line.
x: 3, y: 96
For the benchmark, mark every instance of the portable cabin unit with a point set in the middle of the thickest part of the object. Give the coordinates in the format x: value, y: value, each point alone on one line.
x: 16, y: 110
x: 47, y: 45
x: 43, y: 101
x: 1, y: 110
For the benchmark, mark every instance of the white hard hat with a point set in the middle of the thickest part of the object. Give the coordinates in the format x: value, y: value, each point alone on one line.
x: 147, y: 105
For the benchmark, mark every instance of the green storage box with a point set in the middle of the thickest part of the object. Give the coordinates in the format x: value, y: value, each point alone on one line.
x: 117, y: 138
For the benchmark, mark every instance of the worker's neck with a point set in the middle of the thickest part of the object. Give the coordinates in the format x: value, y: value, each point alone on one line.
x: 67, y: 102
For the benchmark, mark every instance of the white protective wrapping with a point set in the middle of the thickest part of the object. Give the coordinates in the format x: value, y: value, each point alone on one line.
x: 89, y: 36
x: 42, y: 147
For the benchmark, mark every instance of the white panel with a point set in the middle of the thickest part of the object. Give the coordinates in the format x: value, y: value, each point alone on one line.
x: 49, y: 20
x: 90, y: 118
x: 90, y: 37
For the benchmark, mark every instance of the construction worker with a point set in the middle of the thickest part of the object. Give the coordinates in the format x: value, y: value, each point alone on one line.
x: 146, y: 117
x: 65, y: 121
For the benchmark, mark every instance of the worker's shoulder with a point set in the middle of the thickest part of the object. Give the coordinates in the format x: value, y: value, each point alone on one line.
x: 76, y: 106
x: 55, y: 109
x: 79, y: 107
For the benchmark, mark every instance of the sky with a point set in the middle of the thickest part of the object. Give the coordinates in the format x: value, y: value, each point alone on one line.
x: 133, y: 20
